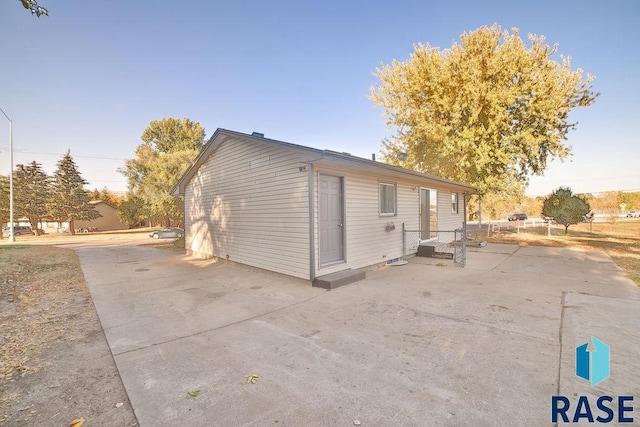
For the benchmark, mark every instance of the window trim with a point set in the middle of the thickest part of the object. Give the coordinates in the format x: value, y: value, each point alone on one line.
x: 455, y: 205
x: 395, y: 199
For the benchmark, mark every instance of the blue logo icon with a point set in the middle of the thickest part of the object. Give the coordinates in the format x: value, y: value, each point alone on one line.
x: 593, y: 364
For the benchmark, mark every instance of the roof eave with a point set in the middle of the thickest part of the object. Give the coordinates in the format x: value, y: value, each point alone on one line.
x: 211, y: 144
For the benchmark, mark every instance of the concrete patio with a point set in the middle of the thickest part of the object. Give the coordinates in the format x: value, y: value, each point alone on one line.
x: 415, y: 344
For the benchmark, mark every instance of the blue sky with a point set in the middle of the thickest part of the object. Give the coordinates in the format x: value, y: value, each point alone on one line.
x: 93, y: 74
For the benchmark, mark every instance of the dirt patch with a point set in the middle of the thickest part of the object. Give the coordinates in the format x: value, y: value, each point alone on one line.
x: 55, y: 364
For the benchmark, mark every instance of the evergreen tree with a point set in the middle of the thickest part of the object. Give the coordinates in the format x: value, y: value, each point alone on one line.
x: 4, y: 201
x: 69, y: 201
x: 32, y: 189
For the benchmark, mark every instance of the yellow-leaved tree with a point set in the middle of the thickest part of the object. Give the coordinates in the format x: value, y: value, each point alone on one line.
x: 169, y: 146
x: 489, y: 111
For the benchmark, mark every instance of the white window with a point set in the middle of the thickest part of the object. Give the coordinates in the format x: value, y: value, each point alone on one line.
x: 454, y: 203
x: 387, y: 198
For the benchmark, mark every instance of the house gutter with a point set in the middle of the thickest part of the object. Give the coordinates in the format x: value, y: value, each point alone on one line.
x: 396, y: 169
x: 312, y: 235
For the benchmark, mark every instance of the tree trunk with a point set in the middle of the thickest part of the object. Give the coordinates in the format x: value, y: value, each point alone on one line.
x: 34, y: 226
x: 72, y: 229
x: 566, y: 229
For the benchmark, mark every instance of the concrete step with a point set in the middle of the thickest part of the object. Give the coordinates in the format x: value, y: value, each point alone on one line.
x: 337, y: 279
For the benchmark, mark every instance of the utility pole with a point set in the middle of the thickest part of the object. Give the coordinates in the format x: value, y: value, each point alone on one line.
x: 12, y: 236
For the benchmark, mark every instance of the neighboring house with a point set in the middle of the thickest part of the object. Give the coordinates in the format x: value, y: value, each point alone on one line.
x: 108, y: 221
x: 306, y: 212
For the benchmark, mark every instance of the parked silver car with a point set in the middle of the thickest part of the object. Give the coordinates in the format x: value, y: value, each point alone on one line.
x: 167, y: 233
x: 18, y: 230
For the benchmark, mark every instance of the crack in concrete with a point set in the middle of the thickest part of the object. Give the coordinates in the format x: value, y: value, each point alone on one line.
x: 562, y: 306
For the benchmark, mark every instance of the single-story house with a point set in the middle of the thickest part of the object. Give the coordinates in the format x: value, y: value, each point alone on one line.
x: 306, y: 212
x: 109, y: 219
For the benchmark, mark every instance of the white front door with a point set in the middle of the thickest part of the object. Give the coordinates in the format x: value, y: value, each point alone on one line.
x: 330, y: 219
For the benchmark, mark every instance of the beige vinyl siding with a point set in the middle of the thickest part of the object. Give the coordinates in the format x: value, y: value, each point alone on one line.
x: 447, y: 220
x: 367, y: 241
x: 108, y: 221
x: 249, y: 202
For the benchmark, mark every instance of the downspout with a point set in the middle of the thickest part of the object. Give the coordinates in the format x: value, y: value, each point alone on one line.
x: 464, y: 230
x: 464, y: 211
x: 312, y: 234
x: 184, y: 221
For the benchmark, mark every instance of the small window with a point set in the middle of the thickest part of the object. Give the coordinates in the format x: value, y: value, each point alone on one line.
x: 387, y: 199
x: 454, y: 203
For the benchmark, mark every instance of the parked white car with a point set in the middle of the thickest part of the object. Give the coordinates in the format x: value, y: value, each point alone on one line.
x: 633, y: 214
x: 167, y: 233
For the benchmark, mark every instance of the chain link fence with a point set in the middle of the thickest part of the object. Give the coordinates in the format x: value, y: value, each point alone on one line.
x: 443, y: 244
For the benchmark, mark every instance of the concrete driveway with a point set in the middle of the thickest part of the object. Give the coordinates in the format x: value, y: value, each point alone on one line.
x: 411, y: 345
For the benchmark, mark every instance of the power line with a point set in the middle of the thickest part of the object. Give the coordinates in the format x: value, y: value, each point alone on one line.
x: 59, y: 154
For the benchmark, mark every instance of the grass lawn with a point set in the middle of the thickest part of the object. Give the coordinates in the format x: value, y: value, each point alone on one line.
x: 620, y: 240
x: 38, y: 293
x: 55, y: 363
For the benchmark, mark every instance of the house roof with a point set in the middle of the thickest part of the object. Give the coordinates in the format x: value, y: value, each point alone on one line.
x: 97, y: 202
x: 222, y: 135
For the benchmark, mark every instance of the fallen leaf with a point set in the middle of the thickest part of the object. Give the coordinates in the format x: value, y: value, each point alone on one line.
x: 253, y: 378
x: 78, y: 422
x: 193, y: 393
